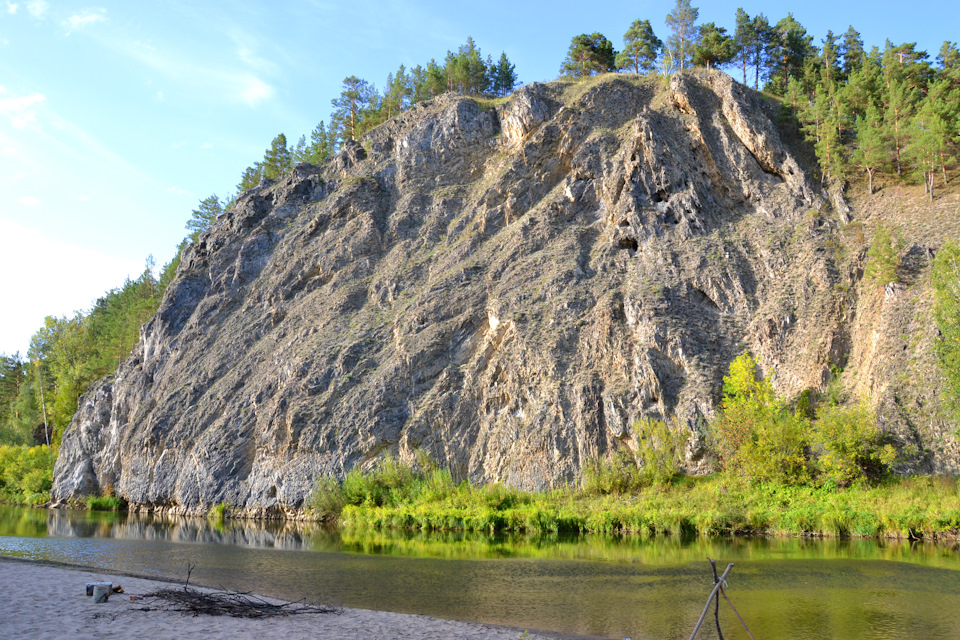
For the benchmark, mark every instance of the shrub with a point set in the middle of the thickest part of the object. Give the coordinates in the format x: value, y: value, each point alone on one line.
x: 945, y: 276
x: 849, y: 445
x: 26, y: 474
x: 660, y: 450
x: 327, y: 500
x: 755, y: 435
x: 883, y: 257
x: 617, y: 473
x: 106, y: 503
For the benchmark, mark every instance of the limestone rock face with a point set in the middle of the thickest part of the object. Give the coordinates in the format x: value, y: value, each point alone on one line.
x: 508, y: 288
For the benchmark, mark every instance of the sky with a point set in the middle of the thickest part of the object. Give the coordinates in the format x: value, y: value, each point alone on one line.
x: 117, y: 118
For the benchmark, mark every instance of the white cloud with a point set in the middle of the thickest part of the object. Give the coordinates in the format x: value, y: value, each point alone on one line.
x: 38, y: 8
x: 253, y: 90
x: 238, y: 85
x: 85, y: 19
x: 207, y: 145
x: 29, y: 201
x: 159, y: 96
x: 12, y: 8
x: 177, y: 191
x: 19, y: 109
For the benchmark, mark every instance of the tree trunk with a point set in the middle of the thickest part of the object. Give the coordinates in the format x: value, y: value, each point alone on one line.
x: 870, y: 180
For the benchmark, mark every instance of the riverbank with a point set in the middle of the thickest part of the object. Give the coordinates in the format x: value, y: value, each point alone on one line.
x: 46, y: 601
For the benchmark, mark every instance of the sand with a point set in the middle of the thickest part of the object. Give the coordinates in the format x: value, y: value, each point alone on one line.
x: 43, y: 601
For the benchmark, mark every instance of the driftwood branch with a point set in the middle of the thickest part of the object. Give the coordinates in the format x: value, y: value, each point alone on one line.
x: 716, y: 598
x: 706, y: 607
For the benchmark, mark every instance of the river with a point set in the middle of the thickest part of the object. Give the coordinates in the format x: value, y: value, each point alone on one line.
x: 587, y: 585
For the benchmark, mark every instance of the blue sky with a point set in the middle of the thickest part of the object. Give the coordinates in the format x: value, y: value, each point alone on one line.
x: 116, y: 118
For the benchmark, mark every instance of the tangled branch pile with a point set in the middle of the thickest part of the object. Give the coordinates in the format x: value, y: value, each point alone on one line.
x: 230, y: 603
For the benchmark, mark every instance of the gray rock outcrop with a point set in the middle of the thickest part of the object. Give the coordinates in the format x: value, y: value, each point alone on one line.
x: 508, y: 288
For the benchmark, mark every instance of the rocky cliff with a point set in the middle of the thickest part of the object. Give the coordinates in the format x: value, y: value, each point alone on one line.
x: 505, y: 286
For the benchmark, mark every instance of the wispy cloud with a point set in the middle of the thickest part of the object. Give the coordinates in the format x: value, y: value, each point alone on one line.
x: 238, y: 85
x: 253, y: 90
x: 38, y: 8
x: 85, y: 18
x: 207, y: 145
x: 177, y: 191
x: 29, y: 201
x: 20, y: 110
x: 12, y: 8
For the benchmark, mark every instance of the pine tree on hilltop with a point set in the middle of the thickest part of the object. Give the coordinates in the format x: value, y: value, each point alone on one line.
x: 682, y: 22
x: 504, y: 76
x: 641, y: 48
x: 589, y: 54
x: 714, y: 47
x: 278, y: 159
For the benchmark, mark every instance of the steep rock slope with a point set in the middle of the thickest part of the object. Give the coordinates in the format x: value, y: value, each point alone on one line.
x: 505, y: 287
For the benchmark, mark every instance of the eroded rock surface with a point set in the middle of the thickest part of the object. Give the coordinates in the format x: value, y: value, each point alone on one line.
x: 507, y: 288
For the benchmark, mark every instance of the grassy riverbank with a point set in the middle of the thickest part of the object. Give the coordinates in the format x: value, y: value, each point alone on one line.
x: 918, y: 507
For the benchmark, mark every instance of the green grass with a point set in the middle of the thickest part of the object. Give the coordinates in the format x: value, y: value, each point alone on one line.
x: 718, y: 505
x: 105, y: 503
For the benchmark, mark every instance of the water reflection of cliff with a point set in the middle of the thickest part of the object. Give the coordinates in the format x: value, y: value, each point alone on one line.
x: 180, y: 529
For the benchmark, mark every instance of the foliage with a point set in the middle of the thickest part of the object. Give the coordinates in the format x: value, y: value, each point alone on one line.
x: 203, y: 216
x: 756, y: 436
x: 660, y: 450
x: 682, y: 22
x: 945, y: 277
x: 614, y: 474
x: 589, y: 54
x: 26, y: 474
x: 641, y: 48
x: 714, y: 47
x: 219, y: 512
x: 105, y: 503
x: 883, y: 257
x: 849, y: 446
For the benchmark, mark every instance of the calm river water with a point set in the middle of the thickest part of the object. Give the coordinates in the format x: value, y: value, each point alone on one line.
x: 593, y: 586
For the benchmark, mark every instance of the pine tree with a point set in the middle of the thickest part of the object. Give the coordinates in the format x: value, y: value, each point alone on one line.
x: 322, y: 144
x: 714, y: 47
x: 641, y: 47
x: 351, y: 106
x: 789, y: 49
x: 251, y: 177
x: 277, y: 160
x: 504, y: 76
x: 300, y: 152
x: 203, y: 216
x: 589, y: 54
x: 743, y: 38
x: 682, y: 21
x: 762, y: 35
x: 851, y: 51
x: 872, y: 152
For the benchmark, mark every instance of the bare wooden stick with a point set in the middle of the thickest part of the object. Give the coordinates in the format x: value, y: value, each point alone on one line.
x: 706, y: 607
x: 716, y: 598
x: 738, y: 614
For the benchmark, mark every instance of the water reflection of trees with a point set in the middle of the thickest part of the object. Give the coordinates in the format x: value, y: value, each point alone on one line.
x: 291, y: 535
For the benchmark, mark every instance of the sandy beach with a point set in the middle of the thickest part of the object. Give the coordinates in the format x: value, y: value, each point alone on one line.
x: 43, y: 601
